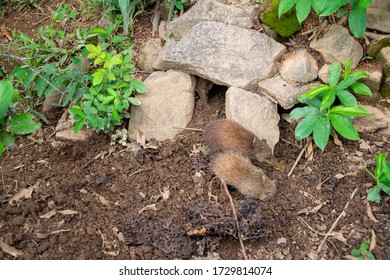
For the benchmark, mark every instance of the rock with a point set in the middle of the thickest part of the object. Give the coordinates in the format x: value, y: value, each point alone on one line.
x: 384, y: 56
x: 286, y: 25
x: 375, y: 46
x: 64, y: 130
x: 210, y: 10
x: 223, y: 54
x: 380, y: 4
x: 299, y: 67
x: 52, y: 102
x: 148, y: 54
x: 378, y: 19
x: 323, y: 73
x: 256, y: 113
x: 377, y: 117
x: 282, y: 92
x: 373, y: 81
x: 168, y: 103
x: 338, y: 45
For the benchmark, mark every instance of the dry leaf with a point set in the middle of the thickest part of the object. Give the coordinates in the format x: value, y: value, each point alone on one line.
x: 41, y: 235
x: 48, y: 215
x: 118, y: 234
x: 369, y: 212
x: 340, y: 176
x: 165, y: 193
x: 57, y: 145
x: 10, y: 250
x: 21, y: 195
x: 336, y: 140
x: 149, y: 207
x: 141, y: 139
x: 3, y: 29
x: 373, y: 241
x: 339, y: 236
x: 102, y: 199
x: 68, y: 212
x: 364, y: 145
x: 310, y: 210
x: 112, y: 253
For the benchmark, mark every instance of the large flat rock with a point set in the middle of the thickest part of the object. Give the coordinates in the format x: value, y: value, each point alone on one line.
x: 224, y: 54
x: 211, y: 10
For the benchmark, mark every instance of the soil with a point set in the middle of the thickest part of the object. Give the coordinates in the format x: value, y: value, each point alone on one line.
x: 94, y: 200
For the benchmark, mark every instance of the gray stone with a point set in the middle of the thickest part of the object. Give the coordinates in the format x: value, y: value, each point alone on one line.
x: 376, y: 118
x: 282, y: 92
x: 168, y: 103
x: 378, y: 19
x: 148, y: 54
x: 256, y: 113
x: 64, y: 130
x: 323, y: 73
x: 385, y: 89
x: 224, y: 54
x: 299, y: 66
x: 384, y: 56
x: 381, y: 4
x: 375, y: 46
x: 210, y: 10
x: 338, y: 45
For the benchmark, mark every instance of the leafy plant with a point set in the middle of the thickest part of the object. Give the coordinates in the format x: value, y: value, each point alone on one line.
x: 110, y: 96
x: 11, y: 123
x: 62, y: 13
x: 356, y: 18
x: 382, y: 178
x: 321, y: 115
x: 363, y: 253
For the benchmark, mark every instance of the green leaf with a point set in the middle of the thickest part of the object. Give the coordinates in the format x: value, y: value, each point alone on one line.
x: 118, y: 39
x: 92, y: 122
x: 95, y: 50
x: 364, y: 246
x: 285, y: 6
x: 98, y: 30
x: 22, y: 124
x: 357, y: 20
x: 303, y: 9
x: 385, y: 188
x: 347, y: 68
x: 98, y: 77
x: 346, y: 98
x: 334, y: 73
x: 328, y: 99
x: 314, y: 102
x: 343, y: 126
x: 89, y: 109
x: 380, y: 165
x: 134, y: 101
x: 115, y: 116
x: 327, y: 7
x: 112, y: 92
x: 349, y: 110
x: 1, y: 148
x: 107, y: 99
x: 321, y: 132
x: 355, y: 252
x: 139, y: 86
x: 77, y: 111
x: 306, y: 111
x: 111, y: 76
x: 116, y: 59
x: 361, y: 88
x: 7, y: 139
x: 79, y: 125
x: 29, y: 79
x: 363, y: 4
x: 352, y: 78
x: 369, y: 255
x: 41, y: 84
x: 7, y: 94
x: 373, y: 194
x: 305, y: 127
x: 316, y: 91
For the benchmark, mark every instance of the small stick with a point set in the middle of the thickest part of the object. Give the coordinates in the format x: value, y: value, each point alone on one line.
x: 298, y: 158
x: 188, y: 128
x: 140, y: 171
x: 235, y: 218
x: 342, y: 214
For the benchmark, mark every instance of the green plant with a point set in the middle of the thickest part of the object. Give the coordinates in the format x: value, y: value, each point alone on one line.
x: 110, y: 96
x: 62, y: 13
x: 321, y: 115
x: 11, y: 123
x: 382, y: 178
x: 363, y: 253
x: 356, y: 18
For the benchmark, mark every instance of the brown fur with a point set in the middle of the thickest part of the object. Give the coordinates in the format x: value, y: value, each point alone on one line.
x: 238, y: 171
x: 227, y: 135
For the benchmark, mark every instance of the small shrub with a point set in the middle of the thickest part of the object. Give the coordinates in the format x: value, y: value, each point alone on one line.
x: 363, y: 253
x: 382, y: 178
x: 10, y: 123
x: 321, y: 115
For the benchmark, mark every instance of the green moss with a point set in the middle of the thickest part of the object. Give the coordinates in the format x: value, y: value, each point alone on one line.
x: 286, y: 25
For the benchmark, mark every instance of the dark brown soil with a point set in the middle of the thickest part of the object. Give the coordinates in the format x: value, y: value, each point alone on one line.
x: 92, y: 200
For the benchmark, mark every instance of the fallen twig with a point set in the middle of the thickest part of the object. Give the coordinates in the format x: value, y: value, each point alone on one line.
x: 342, y: 214
x: 140, y: 171
x: 235, y: 218
x: 298, y: 158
